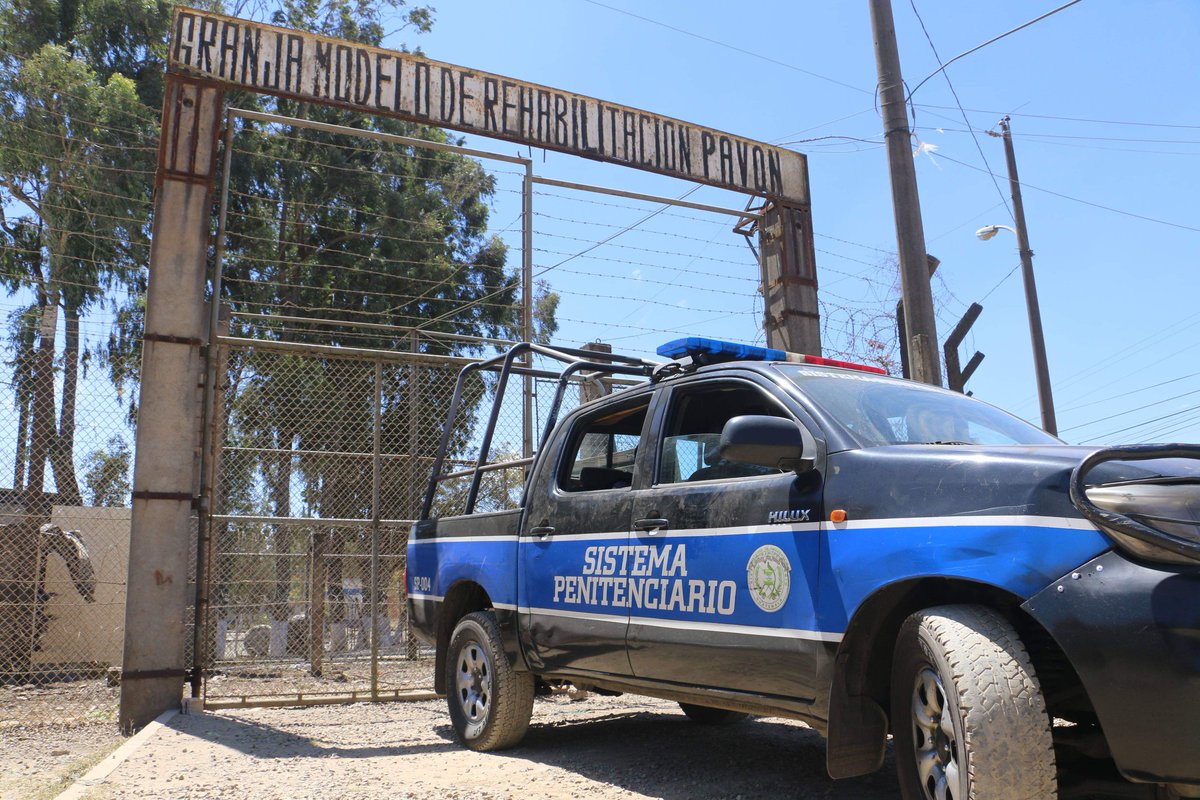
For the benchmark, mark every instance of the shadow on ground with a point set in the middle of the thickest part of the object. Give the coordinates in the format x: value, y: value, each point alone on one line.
x: 672, y: 757
x: 654, y: 753
x: 268, y: 741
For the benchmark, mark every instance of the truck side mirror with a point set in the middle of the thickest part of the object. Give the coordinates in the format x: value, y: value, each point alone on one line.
x: 772, y: 442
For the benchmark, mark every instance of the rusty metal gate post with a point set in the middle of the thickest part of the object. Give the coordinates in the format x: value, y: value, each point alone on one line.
x: 318, y: 576
x: 413, y: 482
x: 376, y: 484
x: 527, y: 305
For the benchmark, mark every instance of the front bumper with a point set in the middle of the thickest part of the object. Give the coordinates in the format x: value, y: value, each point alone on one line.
x: 1132, y: 633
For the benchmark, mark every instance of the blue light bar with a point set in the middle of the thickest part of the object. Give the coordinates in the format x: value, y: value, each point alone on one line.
x: 703, y: 346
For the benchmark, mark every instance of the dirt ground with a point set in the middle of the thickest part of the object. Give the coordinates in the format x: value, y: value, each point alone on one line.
x: 51, y: 734
x: 599, y: 747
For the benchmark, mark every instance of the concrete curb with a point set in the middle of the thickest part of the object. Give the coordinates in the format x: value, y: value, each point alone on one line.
x: 99, y: 773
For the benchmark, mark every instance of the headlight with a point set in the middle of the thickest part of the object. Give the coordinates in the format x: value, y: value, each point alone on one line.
x: 1157, y: 518
x: 1172, y: 508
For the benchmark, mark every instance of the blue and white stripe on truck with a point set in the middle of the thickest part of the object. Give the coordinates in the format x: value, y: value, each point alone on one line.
x: 700, y: 577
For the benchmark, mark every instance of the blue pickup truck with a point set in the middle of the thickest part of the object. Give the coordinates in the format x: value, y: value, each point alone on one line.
x: 751, y: 532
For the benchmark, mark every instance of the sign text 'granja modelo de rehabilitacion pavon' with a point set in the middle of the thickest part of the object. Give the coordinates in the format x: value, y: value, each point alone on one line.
x: 305, y: 66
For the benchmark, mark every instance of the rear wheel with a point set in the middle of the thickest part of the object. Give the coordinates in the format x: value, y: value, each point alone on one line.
x: 968, y: 716
x: 490, y: 702
x: 712, y: 716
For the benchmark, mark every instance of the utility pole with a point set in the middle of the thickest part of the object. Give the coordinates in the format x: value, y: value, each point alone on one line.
x: 1045, y: 397
x: 921, y: 342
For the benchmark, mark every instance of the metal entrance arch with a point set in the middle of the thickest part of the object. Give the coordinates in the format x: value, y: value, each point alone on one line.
x: 169, y: 480
x: 298, y: 606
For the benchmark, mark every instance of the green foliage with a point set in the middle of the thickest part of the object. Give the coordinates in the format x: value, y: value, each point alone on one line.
x: 75, y: 195
x: 106, y: 474
x: 367, y: 232
x: 66, y: 156
x: 545, y: 310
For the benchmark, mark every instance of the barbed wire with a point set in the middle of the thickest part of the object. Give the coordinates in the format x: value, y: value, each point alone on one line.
x: 640, y: 279
x: 623, y: 207
x: 740, y: 263
x: 371, y: 292
x: 340, y: 207
x: 318, y: 165
x: 410, y: 154
x: 652, y: 231
x: 455, y: 267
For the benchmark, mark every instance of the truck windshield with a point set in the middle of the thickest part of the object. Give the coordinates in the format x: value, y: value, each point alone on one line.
x: 882, y: 411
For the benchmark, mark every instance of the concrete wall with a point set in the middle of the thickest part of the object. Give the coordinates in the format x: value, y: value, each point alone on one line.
x: 80, y: 632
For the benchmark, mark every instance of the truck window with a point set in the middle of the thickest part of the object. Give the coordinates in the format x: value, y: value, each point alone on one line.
x: 885, y: 411
x: 602, y: 450
x: 693, y: 432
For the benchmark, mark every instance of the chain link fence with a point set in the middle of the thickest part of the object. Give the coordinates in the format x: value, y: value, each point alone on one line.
x: 322, y: 463
x: 71, y: 339
x: 360, y: 270
x: 319, y: 466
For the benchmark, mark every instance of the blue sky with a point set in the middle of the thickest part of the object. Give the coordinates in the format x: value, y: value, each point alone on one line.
x: 1104, y: 99
x: 1118, y: 293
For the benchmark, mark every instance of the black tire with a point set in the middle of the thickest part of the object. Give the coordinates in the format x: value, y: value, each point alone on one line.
x: 712, y: 716
x: 967, y: 707
x: 490, y: 702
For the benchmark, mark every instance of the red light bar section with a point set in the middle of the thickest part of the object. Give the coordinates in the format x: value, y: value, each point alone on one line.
x: 833, y: 362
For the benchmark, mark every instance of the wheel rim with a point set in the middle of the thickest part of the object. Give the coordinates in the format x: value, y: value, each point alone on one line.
x: 935, y: 744
x: 474, y: 684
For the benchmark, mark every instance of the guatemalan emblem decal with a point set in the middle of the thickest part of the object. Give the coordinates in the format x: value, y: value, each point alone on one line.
x: 769, y: 576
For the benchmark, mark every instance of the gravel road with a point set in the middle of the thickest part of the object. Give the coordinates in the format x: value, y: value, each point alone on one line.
x: 599, y: 747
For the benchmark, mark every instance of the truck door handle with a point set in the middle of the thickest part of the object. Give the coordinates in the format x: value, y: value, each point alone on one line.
x: 541, y: 531
x: 650, y: 525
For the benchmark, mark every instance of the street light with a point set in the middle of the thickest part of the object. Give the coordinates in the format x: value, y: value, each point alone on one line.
x: 1045, y: 397
x: 988, y: 231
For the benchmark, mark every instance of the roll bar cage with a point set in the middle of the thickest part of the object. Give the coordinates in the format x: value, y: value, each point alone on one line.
x: 575, y: 360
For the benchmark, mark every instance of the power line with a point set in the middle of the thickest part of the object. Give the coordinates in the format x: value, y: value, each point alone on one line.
x: 1059, y: 118
x: 1192, y: 153
x: 1129, y: 392
x: 1000, y: 282
x: 1025, y: 185
x: 1140, y: 345
x: 994, y: 39
x: 1128, y: 411
x: 823, y: 124
x: 1080, y: 138
x: 734, y: 48
x: 1141, y: 424
x: 1171, y: 427
x: 958, y: 102
x: 872, y: 140
x: 962, y: 225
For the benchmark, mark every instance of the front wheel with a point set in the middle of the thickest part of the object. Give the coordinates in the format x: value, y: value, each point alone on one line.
x: 490, y: 702
x: 968, y: 717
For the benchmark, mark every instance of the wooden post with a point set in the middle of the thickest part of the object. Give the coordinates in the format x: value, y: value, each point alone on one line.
x: 165, y: 474
x: 919, y: 318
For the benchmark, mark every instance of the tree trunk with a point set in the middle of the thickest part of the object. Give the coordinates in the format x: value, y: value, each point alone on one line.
x: 43, y: 430
x: 19, y: 462
x: 63, y: 454
x: 19, y: 603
